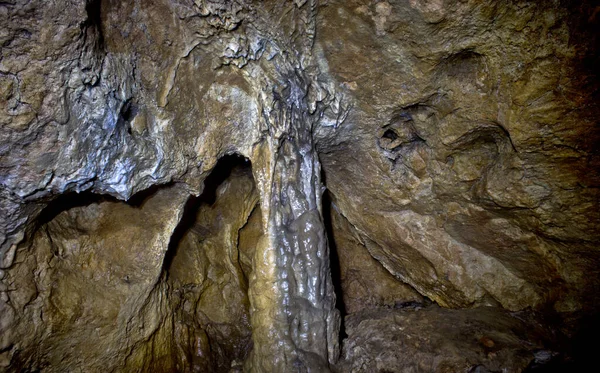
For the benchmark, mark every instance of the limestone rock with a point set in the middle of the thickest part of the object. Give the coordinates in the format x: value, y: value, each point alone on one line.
x: 81, y: 293
x: 364, y: 282
x: 457, y: 139
x: 466, y: 157
x: 208, y: 280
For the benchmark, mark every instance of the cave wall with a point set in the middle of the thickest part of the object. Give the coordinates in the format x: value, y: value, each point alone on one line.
x: 457, y: 141
x: 90, y: 276
x: 474, y: 138
x: 157, y: 283
x: 208, y: 270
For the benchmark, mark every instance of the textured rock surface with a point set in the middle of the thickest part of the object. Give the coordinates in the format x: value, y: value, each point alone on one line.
x: 458, y: 140
x: 142, y: 94
x: 208, y: 278
x: 364, y: 282
x: 91, y: 276
x: 469, y: 158
x: 441, y: 340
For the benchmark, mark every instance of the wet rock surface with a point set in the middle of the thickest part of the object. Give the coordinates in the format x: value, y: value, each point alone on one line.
x: 163, y: 165
x: 208, y: 271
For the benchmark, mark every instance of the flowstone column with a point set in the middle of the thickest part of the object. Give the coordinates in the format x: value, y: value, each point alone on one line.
x: 294, y: 320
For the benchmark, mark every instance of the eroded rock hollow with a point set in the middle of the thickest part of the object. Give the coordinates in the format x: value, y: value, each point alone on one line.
x: 298, y: 186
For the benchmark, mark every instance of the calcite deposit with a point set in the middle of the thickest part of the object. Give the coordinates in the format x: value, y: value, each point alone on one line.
x: 298, y: 186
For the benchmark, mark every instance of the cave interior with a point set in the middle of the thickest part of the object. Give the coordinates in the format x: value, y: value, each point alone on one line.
x: 299, y: 186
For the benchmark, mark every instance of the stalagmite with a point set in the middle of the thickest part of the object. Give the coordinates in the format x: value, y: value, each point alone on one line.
x: 294, y: 319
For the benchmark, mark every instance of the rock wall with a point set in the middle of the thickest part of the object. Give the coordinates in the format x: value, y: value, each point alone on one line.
x: 457, y: 140
x: 473, y: 137
x: 86, y: 290
x: 207, y: 270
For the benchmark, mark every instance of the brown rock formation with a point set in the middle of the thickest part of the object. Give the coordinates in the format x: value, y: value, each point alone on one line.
x: 163, y: 165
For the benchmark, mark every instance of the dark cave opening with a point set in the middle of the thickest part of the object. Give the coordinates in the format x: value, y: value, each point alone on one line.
x: 390, y: 134
x: 129, y: 110
x: 68, y: 201
x: 93, y: 9
x: 73, y: 199
x: 572, y: 352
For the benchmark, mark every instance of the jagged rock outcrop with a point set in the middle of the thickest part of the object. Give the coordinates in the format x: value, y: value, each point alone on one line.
x: 457, y: 141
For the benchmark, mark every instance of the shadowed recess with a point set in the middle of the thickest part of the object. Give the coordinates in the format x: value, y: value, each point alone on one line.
x: 217, y: 176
